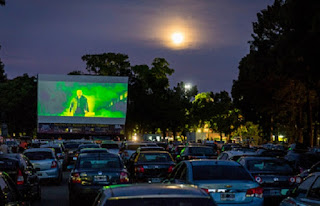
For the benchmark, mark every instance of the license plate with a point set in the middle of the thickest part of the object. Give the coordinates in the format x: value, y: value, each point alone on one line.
x: 155, y: 180
x: 227, y: 196
x: 100, y: 178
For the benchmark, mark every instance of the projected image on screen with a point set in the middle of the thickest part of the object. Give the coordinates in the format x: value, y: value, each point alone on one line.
x: 82, y: 99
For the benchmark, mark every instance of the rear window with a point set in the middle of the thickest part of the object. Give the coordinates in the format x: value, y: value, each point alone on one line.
x: 110, y: 146
x: 200, y: 151
x: 168, y: 201
x: 269, y: 165
x: 71, y: 146
x: 154, y: 157
x: 220, y: 172
x: 39, y: 155
x: 7, y: 164
x: 99, y: 162
x: 134, y: 146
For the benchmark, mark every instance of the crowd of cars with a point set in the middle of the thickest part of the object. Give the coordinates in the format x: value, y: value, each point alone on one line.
x: 141, y: 173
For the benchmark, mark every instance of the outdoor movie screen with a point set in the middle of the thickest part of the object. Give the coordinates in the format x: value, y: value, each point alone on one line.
x: 82, y: 99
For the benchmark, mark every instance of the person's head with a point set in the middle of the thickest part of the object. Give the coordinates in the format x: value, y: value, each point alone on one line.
x: 79, y: 93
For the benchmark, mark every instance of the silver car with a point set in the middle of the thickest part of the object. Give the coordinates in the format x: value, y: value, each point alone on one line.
x: 45, y: 163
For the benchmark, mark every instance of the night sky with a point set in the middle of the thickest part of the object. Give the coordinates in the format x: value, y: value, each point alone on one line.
x: 49, y: 37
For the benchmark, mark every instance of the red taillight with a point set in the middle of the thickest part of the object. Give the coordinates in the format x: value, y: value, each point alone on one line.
x: 192, y: 157
x: 75, y: 177
x: 124, y: 177
x: 170, y: 169
x: 295, y: 180
x: 20, y: 178
x: 255, y: 192
x: 206, y: 190
x: 258, y: 179
x: 54, y: 164
x: 139, y: 169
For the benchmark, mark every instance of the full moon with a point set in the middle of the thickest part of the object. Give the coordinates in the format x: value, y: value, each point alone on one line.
x: 177, y: 38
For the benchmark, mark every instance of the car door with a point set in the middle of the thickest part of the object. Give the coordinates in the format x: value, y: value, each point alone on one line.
x: 313, y: 196
x: 300, y: 193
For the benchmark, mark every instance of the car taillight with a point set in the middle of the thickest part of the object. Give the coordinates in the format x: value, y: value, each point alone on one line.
x: 124, y: 177
x: 255, y: 192
x: 126, y: 154
x: 206, y: 190
x: 20, y: 178
x: 192, y: 157
x: 258, y: 179
x: 170, y: 169
x: 54, y: 164
x: 295, y: 180
x: 139, y: 169
x: 75, y: 178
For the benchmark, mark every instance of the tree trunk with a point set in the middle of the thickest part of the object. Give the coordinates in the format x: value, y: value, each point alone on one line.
x: 309, y: 121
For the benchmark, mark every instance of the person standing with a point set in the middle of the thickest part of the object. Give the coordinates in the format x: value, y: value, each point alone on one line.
x: 79, y: 105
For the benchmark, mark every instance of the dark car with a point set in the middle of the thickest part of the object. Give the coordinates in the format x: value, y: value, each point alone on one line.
x: 301, y: 160
x: 9, y: 194
x: 306, y: 194
x: 150, y: 166
x: 94, y: 150
x: 70, y: 151
x: 275, y: 175
x: 21, y: 171
x: 197, y: 152
x: 271, y: 153
x: 153, y: 194
x: 91, y: 173
x: 314, y: 168
x: 84, y: 146
x: 228, y: 147
x: 162, y: 144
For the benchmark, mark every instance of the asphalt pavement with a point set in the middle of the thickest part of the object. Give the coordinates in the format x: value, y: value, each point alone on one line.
x: 53, y: 195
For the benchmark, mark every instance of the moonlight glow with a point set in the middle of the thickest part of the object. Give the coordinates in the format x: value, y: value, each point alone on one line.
x: 177, y: 38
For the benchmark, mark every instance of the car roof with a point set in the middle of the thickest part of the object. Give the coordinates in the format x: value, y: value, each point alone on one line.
x: 202, y: 146
x: 46, y: 149
x: 261, y: 158
x: 212, y: 162
x: 238, y: 153
x: 147, y: 152
x: 50, y: 145
x: 138, y: 190
x: 93, y: 149
x: 97, y: 154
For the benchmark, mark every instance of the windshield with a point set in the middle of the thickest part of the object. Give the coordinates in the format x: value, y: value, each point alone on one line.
x: 39, y: 155
x: 110, y: 146
x: 269, y: 165
x: 154, y: 157
x: 99, y: 162
x: 200, y: 151
x: 220, y: 172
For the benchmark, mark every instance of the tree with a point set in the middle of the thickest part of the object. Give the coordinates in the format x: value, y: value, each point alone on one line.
x: 2, y: 2
x: 3, y: 76
x: 278, y: 78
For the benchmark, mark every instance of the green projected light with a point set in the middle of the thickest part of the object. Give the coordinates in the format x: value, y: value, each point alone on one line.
x: 58, y: 98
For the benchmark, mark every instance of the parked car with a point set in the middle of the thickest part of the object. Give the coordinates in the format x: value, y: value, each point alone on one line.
x: 227, y: 182
x: 9, y: 194
x: 275, y: 175
x: 150, y: 166
x: 301, y: 160
x: 271, y: 153
x: 234, y: 155
x: 307, y: 193
x: 93, y: 171
x: 314, y: 168
x: 58, y: 151
x: 197, y: 152
x: 21, y: 171
x: 140, y: 149
x: 128, y: 149
x: 46, y: 164
x: 153, y: 194
x: 111, y: 146
x: 228, y: 147
x: 70, y: 151
x: 84, y: 146
x: 12, y: 145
